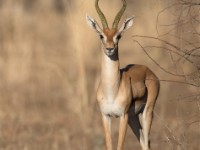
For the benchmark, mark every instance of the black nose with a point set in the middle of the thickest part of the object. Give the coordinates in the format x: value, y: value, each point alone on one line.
x: 109, y: 49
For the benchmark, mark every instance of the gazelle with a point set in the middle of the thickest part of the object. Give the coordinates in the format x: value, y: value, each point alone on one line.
x: 126, y: 93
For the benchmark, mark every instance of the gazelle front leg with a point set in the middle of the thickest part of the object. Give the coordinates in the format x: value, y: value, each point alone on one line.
x: 122, y: 131
x: 107, y: 129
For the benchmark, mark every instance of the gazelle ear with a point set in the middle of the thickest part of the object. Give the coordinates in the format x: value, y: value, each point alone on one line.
x: 126, y: 24
x: 93, y: 24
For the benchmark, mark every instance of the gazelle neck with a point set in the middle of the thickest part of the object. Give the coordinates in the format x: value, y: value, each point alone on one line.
x: 110, y: 75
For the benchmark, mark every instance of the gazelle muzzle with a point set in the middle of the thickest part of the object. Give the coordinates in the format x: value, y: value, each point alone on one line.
x: 110, y: 51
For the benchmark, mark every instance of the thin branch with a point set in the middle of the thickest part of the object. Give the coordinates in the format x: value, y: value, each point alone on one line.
x: 180, y: 75
x: 162, y: 11
x: 178, y: 142
x: 193, y: 122
x: 190, y: 3
x: 164, y: 48
x: 172, y: 45
x: 174, y: 81
x: 189, y: 96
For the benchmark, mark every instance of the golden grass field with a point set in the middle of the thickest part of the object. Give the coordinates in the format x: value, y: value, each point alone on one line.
x: 49, y: 73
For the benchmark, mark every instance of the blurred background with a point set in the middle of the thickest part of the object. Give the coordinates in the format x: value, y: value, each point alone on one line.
x: 50, y: 67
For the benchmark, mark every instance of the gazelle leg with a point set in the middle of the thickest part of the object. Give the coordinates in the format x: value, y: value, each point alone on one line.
x: 122, y: 131
x: 142, y: 142
x: 107, y: 128
x: 147, y: 120
x: 153, y: 89
x: 135, y: 125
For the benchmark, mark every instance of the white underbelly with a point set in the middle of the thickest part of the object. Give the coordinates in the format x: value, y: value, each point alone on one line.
x: 112, y: 109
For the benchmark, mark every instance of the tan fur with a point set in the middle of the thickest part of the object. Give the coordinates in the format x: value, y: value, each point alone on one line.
x: 129, y: 93
x: 110, y: 33
x: 134, y: 88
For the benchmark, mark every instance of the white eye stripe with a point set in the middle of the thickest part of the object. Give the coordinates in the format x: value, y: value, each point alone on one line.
x: 105, y: 38
x: 117, y: 37
x: 114, y: 39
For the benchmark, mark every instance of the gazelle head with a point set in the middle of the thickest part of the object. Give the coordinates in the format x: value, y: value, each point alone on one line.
x: 110, y: 36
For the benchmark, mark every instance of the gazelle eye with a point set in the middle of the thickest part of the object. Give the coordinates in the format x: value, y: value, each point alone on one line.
x: 101, y: 36
x: 119, y: 36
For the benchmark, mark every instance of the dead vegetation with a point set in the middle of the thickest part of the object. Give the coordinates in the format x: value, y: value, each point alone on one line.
x: 49, y: 68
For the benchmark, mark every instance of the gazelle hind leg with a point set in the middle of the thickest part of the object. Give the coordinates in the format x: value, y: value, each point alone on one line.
x: 147, y: 115
x: 146, y: 125
x: 135, y: 124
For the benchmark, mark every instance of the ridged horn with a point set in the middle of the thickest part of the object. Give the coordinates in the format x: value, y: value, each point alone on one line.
x: 101, y: 15
x: 119, y: 15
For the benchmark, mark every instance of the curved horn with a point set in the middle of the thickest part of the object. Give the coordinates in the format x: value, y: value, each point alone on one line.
x: 119, y: 15
x: 101, y: 15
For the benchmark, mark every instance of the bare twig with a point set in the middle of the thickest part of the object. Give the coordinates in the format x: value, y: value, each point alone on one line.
x: 169, y: 44
x: 156, y: 62
x: 172, y: 51
x: 180, y: 82
x: 189, y: 3
x: 174, y: 81
x: 171, y: 132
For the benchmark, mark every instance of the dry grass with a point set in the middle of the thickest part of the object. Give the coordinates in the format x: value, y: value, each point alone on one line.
x: 49, y: 69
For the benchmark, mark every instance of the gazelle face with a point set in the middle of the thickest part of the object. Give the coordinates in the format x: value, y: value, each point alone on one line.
x: 109, y: 37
